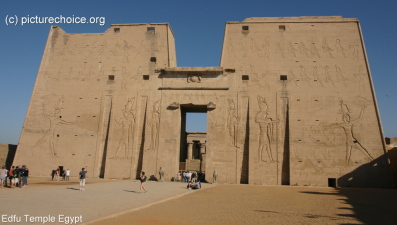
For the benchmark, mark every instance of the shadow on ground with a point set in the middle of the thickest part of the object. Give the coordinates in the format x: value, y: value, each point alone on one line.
x: 375, y: 204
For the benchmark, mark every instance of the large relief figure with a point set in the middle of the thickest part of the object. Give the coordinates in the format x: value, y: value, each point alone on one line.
x: 55, y: 119
x: 126, y: 122
x: 266, y: 135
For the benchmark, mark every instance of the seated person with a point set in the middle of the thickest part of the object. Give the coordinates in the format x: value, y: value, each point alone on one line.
x: 196, y: 185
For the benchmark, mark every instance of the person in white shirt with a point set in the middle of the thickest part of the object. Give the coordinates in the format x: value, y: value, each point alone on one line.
x: 67, y: 174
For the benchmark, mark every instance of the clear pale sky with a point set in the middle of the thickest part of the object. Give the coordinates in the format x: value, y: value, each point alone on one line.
x: 198, y: 27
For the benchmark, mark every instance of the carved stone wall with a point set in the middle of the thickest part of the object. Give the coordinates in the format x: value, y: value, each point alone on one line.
x: 292, y: 103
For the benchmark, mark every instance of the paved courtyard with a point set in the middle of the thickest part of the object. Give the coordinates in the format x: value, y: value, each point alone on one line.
x: 119, y: 202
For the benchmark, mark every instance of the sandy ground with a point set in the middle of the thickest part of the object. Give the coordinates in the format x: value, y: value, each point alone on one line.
x: 214, y: 204
x: 246, y: 204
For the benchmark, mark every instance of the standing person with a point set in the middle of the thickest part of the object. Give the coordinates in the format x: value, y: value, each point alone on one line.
x: 57, y: 173
x: 15, y: 177
x: 11, y: 174
x: 194, y: 177
x: 63, y: 174
x: 53, y: 172
x: 189, y: 176
x: 82, y: 179
x: 143, y: 179
x: 67, y: 174
x: 21, y: 176
x: 3, y: 175
x: 178, y: 176
x: 26, y: 176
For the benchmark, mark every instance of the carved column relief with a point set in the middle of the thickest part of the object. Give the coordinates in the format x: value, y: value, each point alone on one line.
x: 232, y: 122
x: 154, y: 124
x: 126, y: 123
x: 267, y: 131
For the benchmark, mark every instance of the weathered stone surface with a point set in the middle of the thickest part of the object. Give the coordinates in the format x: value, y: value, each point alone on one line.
x: 292, y: 103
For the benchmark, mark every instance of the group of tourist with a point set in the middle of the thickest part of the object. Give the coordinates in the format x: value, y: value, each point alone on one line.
x: 17, y: 176
x: 188, y: 177
x: 193, y: 179
x: 65, y: 174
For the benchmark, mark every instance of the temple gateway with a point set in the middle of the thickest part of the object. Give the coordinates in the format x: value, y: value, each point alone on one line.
x: 292, y: 103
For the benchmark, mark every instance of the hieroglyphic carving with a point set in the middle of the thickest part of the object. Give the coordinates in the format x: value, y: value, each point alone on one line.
x: 347, y: 126
x: 339, y: 76
x: 316, y: 76
x: 314, y: 51
x: 262, y: 49
x: 126, y: 122
x: 293, y: 77
x: 355, y: 50
x: 328, y: 76
x: 49, y: 134
x: 304, y: 50
x: 232, y: 122
x: 266, y: 126
x: 126, y: 54
x: 304, y: 76
x: 326, y: 49
x: 126, y: 78
x: 360, y: 78
x: 291, y: 49
x: 339, y: 48
x: 154, y: 124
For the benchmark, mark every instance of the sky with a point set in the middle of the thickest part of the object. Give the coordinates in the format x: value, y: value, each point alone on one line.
x: 198, y: 27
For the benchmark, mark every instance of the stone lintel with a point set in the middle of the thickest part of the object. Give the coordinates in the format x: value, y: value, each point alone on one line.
x: 192, y: 70
x: 193, y: 88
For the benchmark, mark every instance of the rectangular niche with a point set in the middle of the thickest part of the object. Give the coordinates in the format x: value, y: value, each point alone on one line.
x: 283, y: 77
x: 111, y: 77
x: 145, y: 77
x: 151, y: 30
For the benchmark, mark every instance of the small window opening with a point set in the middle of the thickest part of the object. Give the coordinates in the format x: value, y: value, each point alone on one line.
x: 151, y: 30
x: 245, y: 28
x: 145, y: 77
x: 283, y: 77
x: 116, y: 30
x: 153, y: 59
x: 111, y: 77
x: 281, y: 27
x: 245, y: 77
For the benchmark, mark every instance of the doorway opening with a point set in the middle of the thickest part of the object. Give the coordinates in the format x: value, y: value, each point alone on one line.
x: 193, y: 138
